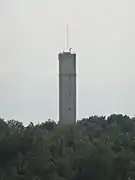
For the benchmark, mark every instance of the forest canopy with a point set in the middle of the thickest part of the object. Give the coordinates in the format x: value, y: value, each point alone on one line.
x: 95, y: 148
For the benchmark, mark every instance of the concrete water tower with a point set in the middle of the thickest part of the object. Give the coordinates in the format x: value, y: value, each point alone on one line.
x: 67, y: 87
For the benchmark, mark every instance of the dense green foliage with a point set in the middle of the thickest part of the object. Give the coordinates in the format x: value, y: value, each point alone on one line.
x: 96, y: 148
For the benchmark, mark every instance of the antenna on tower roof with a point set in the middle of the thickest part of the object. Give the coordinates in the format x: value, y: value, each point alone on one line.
x: 67, y: 38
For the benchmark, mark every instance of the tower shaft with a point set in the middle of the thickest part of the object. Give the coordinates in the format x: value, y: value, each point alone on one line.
x: 67, y: 88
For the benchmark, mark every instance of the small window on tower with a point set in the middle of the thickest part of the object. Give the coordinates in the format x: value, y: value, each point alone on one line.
x: 69, y: 93
x: 69, y: 109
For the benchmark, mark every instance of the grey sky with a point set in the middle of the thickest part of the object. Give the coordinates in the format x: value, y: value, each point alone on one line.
x: 102, y: 33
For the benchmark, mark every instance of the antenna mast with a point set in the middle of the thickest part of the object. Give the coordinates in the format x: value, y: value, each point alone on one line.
x: 67, y: 38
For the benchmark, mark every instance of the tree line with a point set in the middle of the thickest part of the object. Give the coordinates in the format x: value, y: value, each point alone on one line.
x: 95, y: 148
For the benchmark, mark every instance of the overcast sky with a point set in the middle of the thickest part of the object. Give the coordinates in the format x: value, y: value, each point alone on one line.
x: 32, y: 32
